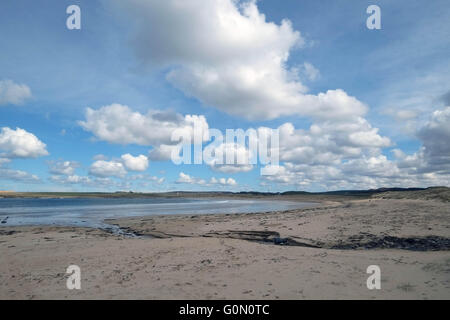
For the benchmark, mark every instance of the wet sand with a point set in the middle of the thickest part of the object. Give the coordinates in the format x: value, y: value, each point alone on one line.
x: 311, y: 253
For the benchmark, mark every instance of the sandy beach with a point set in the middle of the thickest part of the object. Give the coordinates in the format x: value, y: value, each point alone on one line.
x: 312, y: 253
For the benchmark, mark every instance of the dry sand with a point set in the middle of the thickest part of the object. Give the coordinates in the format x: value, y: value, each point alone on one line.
x: 326, y: 253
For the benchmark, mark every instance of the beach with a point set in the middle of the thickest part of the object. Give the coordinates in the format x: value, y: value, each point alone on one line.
x: 320, y: 252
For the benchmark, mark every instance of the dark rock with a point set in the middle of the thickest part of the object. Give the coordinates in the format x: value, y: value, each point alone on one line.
x: 429, y: 243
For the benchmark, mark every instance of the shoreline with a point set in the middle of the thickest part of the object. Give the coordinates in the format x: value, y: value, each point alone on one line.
x: 107, y: 209
x: 235, y: 256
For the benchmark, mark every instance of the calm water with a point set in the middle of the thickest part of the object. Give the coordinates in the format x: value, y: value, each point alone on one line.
x: 92, y: 212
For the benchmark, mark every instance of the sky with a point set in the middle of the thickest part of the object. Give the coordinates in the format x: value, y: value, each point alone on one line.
x: 95, y: 108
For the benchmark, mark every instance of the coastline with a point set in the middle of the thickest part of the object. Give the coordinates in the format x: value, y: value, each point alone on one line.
x: 235, y: 256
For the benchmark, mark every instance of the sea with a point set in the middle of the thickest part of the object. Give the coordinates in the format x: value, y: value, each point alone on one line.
x: 91, y: 212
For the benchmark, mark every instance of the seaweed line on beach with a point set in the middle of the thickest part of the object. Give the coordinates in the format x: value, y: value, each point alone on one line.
x: 356, y: 242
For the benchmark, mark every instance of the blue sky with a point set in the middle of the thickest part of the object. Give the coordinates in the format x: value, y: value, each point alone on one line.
x: 150, y: 56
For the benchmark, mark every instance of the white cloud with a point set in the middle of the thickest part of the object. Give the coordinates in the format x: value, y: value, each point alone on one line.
x: 71, y: 179
x: 13, y: 93
x: 146, y: 177
x: 232, y: 168
x: 331, y: 154
x: 4, y: 160
x: 18, y: 175
x: 63, y: 167
x: 330, y: 142
x: 99, y: 183
x: 119, y: 124
x: 103, y: 171
x: 227, y: 55
x: 326, y: 141
x: 184, y: 178
x: 374, y: 166
x: 222, y: 31
x: 311, y: 72
x: 229, y: 181
x: 100, y: 157
x: 365, y: 166
x: 101, y: 168
x: 164, y: 152
x: 240, y: 155
x: 357, y: 173
x: 160, y: 180
x: 139, y: 163
x: 403, y: 115
x: 20, y: 144
x: 15, y: 175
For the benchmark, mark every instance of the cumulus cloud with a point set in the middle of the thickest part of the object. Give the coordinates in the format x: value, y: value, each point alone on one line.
x: 433, y: 157
x: 223, y: 181
x: 101, y: 168
x: 63, y: 167
x: 20, y: 144
x: 102, y: 171
x: 311, y: 72
x: 13, y: 93
x: 63, y: 172
x: 330, y: 142
x: 184, y: 178
x: 435, y: 136
x: 164, y: 152
x: 17, y: 175
x: 71, y: 179
x: 239, y: 155
x: 227, y: 55
x: 366, y: 172
x: 363, y: 165
x: 326, y: 141
x: 146, y: 178
x: 102, y: 174
x: 139, y: 163
x: 222, y: 29
x: 227, y: 168
x: 97, y: 183
x: 119, y: 124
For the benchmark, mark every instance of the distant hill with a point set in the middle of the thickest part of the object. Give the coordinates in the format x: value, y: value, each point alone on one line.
x: 440, y: 193
x: 432, y: 193
x: 354, y: 192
